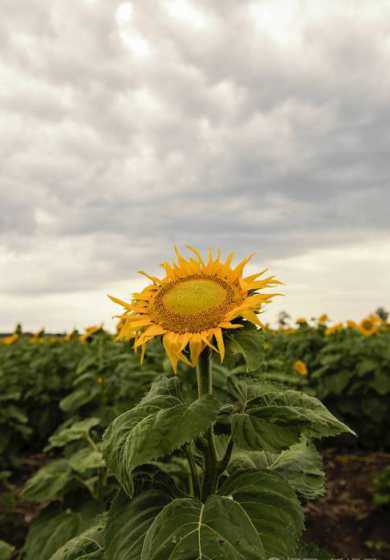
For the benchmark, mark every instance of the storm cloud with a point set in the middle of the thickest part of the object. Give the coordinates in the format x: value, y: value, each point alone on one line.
x: 250, y: 126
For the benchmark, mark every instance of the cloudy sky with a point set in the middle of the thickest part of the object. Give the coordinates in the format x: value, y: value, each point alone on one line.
x: 249, y: 125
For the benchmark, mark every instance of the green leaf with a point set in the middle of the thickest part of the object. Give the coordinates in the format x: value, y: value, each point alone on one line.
x: 273, y: 508
x: 128, y: 522
x: 366, y: 366
x: 154, y: 429
x: 54, y: 527
x: 6, y: 550
x: 301, y: 466
x: 381, y: 382
x: 86, y: 546
x: 187, y: 529
x: 78, y: 398
x: 49, y: 482
x: 275, y: 420
x: 76, y: 431
x: 247, y: 343
x: 86, y: 459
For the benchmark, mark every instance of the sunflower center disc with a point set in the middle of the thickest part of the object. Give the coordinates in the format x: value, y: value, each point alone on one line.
x: 192, y: 304
x: 194, y: 296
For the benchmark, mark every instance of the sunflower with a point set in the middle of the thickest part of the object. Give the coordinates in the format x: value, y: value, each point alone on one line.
x: 300, y: 367
x: 192, y: 305
x: 370, y: 325
x: 10, y: 339
x: 334, y: 329
x: 90, y: 331
x: 322, y: 319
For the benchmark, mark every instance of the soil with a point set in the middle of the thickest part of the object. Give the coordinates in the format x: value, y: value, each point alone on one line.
x: 345, y: 521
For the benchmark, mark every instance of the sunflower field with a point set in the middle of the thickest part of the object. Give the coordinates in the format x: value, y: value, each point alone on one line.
x: 219, y: 438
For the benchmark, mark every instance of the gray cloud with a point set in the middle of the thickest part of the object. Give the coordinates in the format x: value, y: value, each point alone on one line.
x: 248, y: 127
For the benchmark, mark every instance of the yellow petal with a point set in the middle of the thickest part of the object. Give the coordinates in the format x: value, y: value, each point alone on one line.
x: 220, y: 343
x: 154, y: 279
x: 197, y: 253
x: 120, y: 302
x: 170, y: 350
x: 252, y: 317
x: 196, y: 347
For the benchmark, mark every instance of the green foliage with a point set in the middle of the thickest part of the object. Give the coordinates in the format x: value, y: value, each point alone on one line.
x: 187, y: 529
x: 154, y: 428
x: 276, y: 419
x: 218, y: 474
x: 246, y: 343
x: 54, y: 527
x: 49, y: 482
x: 86, y: 546
x: 273, y: 508
x: 381, y: 495
x: 6, y: 550
x: 128, y: 522
x: 75, y: 431
x: 352, y: 378
x: 300, y: 465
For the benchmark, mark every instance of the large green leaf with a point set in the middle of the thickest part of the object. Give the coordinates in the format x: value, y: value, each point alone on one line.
x: 128, y: 522
x: 276, y: 419
x: 273, y: 508
x: 52, y: 529
x: 86, y: 546
x: 86, y: 459
x: 187, y: 529
x: 247, y: 343
x: 76, y: 431
x: 154, y: 429
x: 49, y: 482
x: 78, y: 398
x: 300, y: 465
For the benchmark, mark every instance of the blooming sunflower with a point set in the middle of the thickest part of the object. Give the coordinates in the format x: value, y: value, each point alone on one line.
x: 10, y: 339
x: 192, y: 305
x: 300, y: 367
x: 334, y: 329
x: 90, y: 331
x: 322, y: 319
x: 370, y: 325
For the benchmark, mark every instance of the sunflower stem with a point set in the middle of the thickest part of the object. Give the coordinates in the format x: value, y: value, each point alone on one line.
x: 205, y: 386
x: 194, y: 478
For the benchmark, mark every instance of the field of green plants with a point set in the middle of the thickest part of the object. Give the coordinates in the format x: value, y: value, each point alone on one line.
x: 105, y: 458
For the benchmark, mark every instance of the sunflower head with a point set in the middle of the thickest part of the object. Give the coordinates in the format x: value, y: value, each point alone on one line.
x: 370, y: 325
x: 90, y: 332
x: 334, y: 329
x: 323, y: 319
x: 11, y: 339
x: 192, y: 304
x: 300, y: 367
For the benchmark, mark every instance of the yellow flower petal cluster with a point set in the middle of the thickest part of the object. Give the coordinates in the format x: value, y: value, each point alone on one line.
x: 192, y: 305
x: 334, y: 329
x: 11, y: 339
x: 90, y: 331
x: 322, y: 319
x: 300, y: 367
x: 370, y: 325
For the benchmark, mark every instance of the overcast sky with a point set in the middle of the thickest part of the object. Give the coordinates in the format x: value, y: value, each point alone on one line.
x: 257, y: 125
